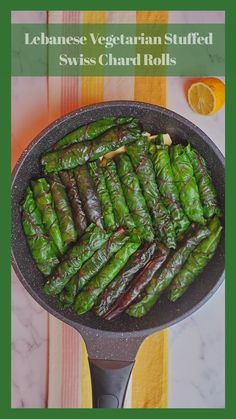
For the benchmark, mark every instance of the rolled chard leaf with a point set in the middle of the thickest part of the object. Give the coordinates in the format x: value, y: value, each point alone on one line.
x: 93, y: 266
x: 143, y: 165
x: 186, y: 183
x: 87, y: 245
x: 43, y: 198
x: 80, y: 153
x: 68, y: 180
x: 139, y: 283
x: 167, y: 187
x: 136, y: 262
x: 205, y: 185
x: 134, y: 197
x: 120, y: 208
x: 88, y: 195
x: 162, y: 280
x: 63, y: 209
x: 40, y: 245
x: 91, y: 131
x: 97, y: 174
x: 89, y: 295
x: 196, y: 261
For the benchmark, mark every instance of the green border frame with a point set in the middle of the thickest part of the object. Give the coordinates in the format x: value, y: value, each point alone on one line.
x: 5, y: 358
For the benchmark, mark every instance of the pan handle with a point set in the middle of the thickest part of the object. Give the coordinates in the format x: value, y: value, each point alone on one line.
x: 109, y: 382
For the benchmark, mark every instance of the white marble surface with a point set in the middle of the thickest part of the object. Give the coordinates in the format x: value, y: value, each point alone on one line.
x: 196, y: 346
x: 29, y: 349
x: 196, y: 358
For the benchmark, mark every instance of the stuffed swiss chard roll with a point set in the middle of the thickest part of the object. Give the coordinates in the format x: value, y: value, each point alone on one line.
x: 63, y: 209
x: 92, y: 130
x: 167, y: 186
x: 44, y: 201
x: 41, y: 247
x: 186, y: 183
x: 134, y: 197
x: 205, y: 185
x: 97, y: 174
x: 68, y: 180
x: 88, y: 195
x: 119, y: 205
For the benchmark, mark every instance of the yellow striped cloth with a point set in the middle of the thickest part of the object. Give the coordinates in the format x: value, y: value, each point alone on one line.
x: 68, y: 377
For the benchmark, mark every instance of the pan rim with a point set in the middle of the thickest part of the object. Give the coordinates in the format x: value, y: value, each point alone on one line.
x: 84, y: 329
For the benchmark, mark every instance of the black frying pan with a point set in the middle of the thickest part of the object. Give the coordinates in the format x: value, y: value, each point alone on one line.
x: 112, y: 345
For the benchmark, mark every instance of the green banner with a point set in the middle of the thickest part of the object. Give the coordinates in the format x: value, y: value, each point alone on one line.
x: 118, y: 50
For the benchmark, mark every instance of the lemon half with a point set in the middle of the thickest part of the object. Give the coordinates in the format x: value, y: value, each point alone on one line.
x: 206, y: 96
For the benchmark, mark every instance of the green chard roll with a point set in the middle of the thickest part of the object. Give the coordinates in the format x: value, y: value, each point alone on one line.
x: 117, y: 287
x: 88, y: 195
x: 89, y: 295
x: 80, y: 153
x: 162, y: 280
x: 97, y: 174
x: 120, y: 208
x: 93, y: 266
x: 167, y: 186
x: 87, y: 245
x: 41, y: 247
x: 134, y: 197
x: 143, y: 165
x: 91, y: 131
x: 68, y: 180
x: 44, y: 201
x: 205, y: 185
x: 186, y: 183
x: 63, y: 209
x: 196, y: 261
x: 139, y: 283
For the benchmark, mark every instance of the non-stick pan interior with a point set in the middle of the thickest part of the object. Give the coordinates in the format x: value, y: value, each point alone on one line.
x: 154, y: 119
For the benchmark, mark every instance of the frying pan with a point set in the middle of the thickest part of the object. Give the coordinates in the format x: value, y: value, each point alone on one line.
x: 112, y: 345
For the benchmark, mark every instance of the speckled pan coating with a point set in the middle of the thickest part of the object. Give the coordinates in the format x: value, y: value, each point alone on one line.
x: 119, y: 338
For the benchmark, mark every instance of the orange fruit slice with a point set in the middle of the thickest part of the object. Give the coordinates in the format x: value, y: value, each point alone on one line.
x: 206, y: 96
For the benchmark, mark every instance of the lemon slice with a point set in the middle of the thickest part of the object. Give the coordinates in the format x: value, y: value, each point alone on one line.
x: 207, y: 96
